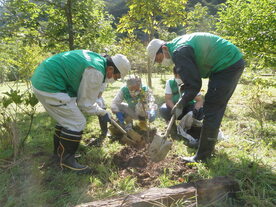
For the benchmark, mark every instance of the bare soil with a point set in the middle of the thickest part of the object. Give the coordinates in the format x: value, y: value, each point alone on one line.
x: 136, y: 163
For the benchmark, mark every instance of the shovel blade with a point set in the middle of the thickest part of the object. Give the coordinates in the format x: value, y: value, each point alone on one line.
x: 159, y: 148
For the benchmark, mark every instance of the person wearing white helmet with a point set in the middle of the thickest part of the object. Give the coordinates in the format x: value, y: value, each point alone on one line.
x: 196, y: 56
x: 68, y: 84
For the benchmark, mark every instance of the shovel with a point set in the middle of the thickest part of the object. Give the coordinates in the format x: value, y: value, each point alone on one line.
x: 159, y: 146
x: 130, y: 137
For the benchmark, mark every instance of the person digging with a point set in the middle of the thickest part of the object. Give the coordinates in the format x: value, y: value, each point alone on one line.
x: 68, y: 84
x: 196, y: 56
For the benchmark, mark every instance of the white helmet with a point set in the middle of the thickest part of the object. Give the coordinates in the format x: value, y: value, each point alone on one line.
x: 153, y: 47
x: 122, y: 63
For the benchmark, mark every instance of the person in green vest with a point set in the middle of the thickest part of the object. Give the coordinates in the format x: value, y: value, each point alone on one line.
x: 134, y: 102
x: 196, y: 56
x: 68, y: 84
x: 173, y: 91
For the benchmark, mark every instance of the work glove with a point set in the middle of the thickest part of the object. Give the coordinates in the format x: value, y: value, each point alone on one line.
x: 177, y: 110
x: 198, y: 113
x: 120, y: 117
x: 151, y: 115
x: 106, y: 117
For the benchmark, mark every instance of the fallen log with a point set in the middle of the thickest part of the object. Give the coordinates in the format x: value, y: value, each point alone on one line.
x: 202, y: 192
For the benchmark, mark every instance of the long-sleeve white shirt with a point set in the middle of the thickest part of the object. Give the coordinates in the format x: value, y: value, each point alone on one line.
x: 118, y: 99
x: 90, y: 87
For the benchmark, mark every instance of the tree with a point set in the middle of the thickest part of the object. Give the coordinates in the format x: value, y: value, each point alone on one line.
x: 198, y: 20
x: 58, y: 25
x: 251, y: 25
x: 212, y: 5
x: 150, y: 16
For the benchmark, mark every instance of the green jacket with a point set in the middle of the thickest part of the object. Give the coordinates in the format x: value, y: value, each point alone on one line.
x: 132, y: 101
x: 212, y: 53
x: 63, y: 72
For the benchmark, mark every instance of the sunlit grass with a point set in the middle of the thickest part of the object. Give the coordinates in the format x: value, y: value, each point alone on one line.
x: 244, y: 155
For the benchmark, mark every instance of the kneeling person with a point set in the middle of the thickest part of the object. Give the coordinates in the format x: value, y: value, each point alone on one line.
x: 134, y: 101
x: 173, y: 92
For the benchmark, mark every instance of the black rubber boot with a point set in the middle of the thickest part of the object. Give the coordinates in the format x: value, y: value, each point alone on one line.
x: 56, y: 152
x: 103, y: 126
x: 69, y: 142
x: 97, y: 142
x: 207, y: 142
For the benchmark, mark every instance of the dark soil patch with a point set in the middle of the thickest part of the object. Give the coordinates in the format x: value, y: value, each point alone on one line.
x: 136, y: 163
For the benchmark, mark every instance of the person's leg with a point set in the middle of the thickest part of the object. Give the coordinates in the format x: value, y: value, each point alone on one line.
x: 56, y: 139
x: 102, y: 122
x: 64, y: 110
x: 220, y: 89
x: 103, y: 126
x: 127, y: 111
x: 97, y: 142
x: 69, y: 142
x: 165, y: 112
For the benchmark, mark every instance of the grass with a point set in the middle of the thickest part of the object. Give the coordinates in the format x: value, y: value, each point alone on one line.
x: 247, y: 155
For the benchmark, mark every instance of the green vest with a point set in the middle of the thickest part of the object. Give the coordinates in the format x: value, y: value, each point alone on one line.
x: 132, y: 101
x: 63, y: 72
x: 212, y: 53
x: 175, y: 92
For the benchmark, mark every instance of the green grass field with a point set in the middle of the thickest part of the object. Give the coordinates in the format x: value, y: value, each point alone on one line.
x: 247, y: 155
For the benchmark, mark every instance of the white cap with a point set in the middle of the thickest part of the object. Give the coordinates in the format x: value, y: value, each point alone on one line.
x: 153, y: 47
x: 122, y: 63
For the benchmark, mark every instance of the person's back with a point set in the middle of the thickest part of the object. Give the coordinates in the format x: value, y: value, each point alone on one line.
x: 63, y: 72
x: 211, y: 52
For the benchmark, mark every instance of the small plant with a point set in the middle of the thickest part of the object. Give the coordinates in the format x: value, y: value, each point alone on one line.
x: 257, y: 94
x: 15, y: 105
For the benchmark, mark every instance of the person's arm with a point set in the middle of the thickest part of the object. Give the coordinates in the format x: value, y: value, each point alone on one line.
x: 118, y: 99
x: 199, y: 101
x: 168, y: 100
x: 89, y: 90
x: 168, y: 95
x: 103, y: 87
x: 189, y: 73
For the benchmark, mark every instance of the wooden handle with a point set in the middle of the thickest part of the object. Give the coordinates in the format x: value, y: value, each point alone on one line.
x: 169, y: 126
x: 118, y: 126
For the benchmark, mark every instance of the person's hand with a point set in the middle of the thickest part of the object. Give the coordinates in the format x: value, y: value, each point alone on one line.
x: 107, y: 117
x: 177, y: 110
x: 120, y: 117
x: 151, y: 115
x: 198, y: 113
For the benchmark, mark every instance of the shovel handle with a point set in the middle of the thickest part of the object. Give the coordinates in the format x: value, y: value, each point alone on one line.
x: 169, y: 126
x: 118, y: 126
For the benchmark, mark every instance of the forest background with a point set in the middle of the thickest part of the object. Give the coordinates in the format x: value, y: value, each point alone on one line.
x: 32, y: 30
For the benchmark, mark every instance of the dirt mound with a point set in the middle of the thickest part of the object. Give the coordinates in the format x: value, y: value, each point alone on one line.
x: 136, y: 163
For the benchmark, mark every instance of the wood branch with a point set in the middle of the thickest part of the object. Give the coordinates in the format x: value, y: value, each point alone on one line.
x: 201, y: 192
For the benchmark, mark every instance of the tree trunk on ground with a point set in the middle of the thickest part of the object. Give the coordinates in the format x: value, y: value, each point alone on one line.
x: 202, y: 192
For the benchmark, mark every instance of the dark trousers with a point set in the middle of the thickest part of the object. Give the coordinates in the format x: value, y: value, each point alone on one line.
x: 221, y: 86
